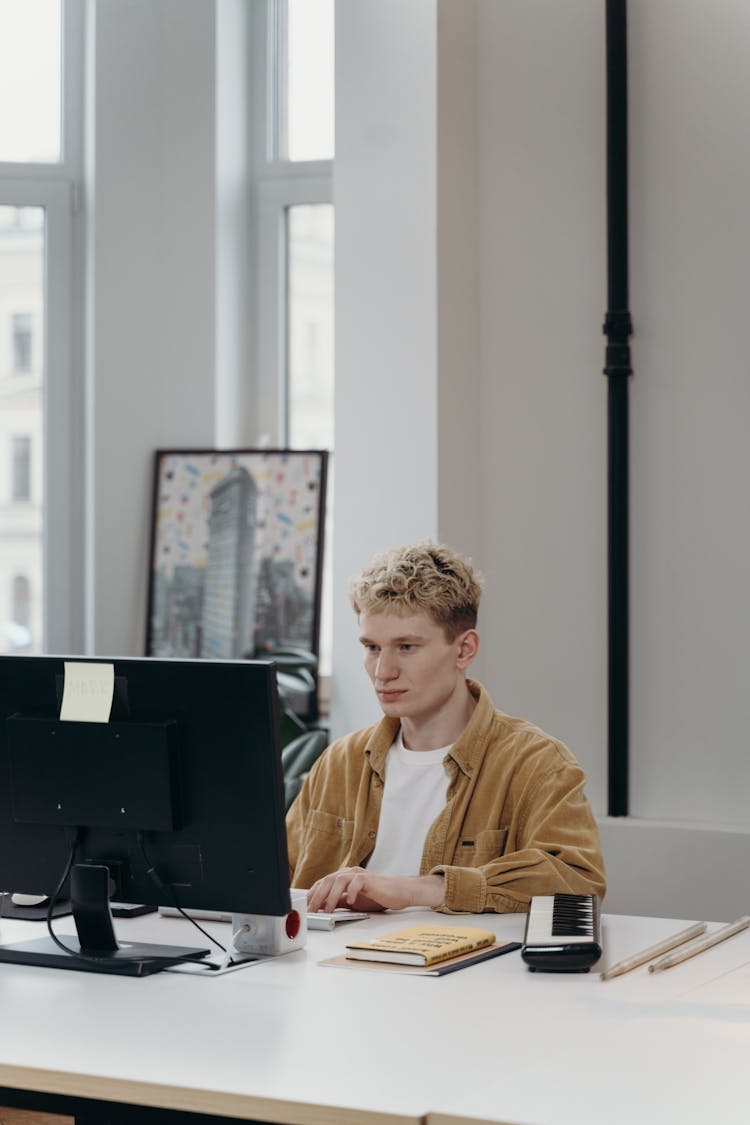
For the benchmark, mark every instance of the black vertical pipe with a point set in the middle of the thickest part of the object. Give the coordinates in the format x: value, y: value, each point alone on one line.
x: 617, y: 328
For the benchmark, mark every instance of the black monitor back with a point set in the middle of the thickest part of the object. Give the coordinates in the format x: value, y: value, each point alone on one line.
x: 187, y: 766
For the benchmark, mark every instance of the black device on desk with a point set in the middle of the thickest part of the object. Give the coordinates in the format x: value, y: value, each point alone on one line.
x: 176, y: 798
x: 563, y: 933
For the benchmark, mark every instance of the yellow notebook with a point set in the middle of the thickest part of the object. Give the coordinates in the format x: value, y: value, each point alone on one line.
x: 421, y: 945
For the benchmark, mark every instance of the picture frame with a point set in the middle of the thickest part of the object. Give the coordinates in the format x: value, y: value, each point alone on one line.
x: 236, y: 553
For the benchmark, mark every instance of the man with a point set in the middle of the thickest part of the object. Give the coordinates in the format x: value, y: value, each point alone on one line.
x: 446, y: 803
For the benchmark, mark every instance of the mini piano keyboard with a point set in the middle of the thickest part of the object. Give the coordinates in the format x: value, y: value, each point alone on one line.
x: 563, y: 933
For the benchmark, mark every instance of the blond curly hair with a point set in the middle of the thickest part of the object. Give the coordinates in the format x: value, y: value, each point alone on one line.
x: 426, y: 577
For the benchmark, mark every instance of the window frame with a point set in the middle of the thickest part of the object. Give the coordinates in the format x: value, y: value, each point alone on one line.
x: 277, y: 184
x: 57, y: 189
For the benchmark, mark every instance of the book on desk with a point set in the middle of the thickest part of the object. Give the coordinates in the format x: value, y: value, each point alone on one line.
x: 421, y: 945
x: 426, y: 950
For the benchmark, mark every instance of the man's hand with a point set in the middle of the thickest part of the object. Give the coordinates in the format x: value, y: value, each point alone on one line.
x: 357, y: 889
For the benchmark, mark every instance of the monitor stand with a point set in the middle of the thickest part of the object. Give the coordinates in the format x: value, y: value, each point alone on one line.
x: 97, y: 949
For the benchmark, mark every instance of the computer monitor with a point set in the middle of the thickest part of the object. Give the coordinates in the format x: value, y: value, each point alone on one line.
x: 161, y: 776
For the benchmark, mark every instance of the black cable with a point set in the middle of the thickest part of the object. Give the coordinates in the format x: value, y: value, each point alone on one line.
x: 56, y: 894
x: 61, y: 945
x: 100, y: 960
x: 153, y: 874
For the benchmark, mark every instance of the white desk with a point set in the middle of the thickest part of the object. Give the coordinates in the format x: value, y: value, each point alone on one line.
x: 641, y: 1048
x: 291, y: 1041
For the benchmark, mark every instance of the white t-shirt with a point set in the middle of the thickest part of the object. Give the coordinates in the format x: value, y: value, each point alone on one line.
x: 414, y: 794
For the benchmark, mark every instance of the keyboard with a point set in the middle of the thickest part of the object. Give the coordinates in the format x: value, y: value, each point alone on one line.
x: 322, y: 920
x: 317, y: 921
x: 563, y: 933
x: 199, y: 915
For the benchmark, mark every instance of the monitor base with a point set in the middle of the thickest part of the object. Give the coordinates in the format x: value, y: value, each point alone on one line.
x: 132, y: 959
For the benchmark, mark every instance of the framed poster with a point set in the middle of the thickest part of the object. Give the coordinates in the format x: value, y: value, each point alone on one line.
x: 236, y: 552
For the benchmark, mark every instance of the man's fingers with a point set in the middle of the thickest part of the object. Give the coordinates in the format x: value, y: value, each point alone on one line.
x: 318, y: 894
x: 355, y: 887
x: 334, y: 890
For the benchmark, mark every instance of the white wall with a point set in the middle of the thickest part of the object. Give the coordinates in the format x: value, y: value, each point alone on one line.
x: 406, y: 449
x: 234, y: 403
x: 543, y: 291
x: 675, y: 869
x: 691, y: 405
x: 516, y: 470
x: 542, y: 424
x: 152, y: 248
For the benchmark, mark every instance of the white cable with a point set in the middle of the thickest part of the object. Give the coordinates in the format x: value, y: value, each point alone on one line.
x: 227, y: 960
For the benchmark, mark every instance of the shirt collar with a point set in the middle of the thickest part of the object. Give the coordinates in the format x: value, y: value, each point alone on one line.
x: 466, y: 752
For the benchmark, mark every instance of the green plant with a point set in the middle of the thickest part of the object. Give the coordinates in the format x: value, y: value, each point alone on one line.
x: 301, y: 744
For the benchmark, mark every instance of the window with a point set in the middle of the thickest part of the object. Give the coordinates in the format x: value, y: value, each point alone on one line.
x: 294, y: 237
x: 30, y: 81
x: 41, y: 64
x: 306, y: 58
x: 21, y: 469
x: 309, y: 239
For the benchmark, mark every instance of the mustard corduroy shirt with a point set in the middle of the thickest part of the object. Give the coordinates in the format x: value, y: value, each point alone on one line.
x: 516, y: 822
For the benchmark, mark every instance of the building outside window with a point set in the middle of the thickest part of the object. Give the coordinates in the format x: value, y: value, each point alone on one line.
x: 18, y: 631
x: 20, y: 469
x: 21, y: 598
x: 22, y: 341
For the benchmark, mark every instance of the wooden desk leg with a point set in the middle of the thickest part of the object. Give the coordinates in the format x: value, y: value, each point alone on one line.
x: 33, y: 1117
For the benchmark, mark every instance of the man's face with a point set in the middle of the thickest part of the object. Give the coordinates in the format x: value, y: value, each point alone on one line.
x: 414, y: 669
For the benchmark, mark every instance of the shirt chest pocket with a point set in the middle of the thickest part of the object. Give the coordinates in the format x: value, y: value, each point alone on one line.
x: 327, y: 838
x: 474, y: 851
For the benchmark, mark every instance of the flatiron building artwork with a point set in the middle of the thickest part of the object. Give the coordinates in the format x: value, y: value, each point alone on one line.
x: 236, y: 552
x: 229, y: 583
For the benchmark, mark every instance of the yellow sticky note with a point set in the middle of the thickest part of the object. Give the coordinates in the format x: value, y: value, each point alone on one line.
x: 88, y: 692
